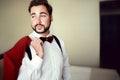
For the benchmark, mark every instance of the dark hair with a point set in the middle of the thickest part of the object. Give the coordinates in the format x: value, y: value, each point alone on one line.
x: 40, y: 2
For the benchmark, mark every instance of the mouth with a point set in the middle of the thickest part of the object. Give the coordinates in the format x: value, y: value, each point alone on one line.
x: 39, y: 27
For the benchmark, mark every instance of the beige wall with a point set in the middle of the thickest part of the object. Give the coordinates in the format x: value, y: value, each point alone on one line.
x: 75, y: 21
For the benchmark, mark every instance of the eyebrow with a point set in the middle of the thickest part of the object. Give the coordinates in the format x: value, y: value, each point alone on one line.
x: 40, y: 13
x: 32, y: 13
x: 43, y: 13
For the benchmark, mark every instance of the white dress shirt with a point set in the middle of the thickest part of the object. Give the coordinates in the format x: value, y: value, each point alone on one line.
x: 53, y: 66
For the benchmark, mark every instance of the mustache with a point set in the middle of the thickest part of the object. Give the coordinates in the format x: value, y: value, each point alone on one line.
x: 40, y: 25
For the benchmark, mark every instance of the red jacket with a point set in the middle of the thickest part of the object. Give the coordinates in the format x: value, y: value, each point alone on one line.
x: 13, y: 59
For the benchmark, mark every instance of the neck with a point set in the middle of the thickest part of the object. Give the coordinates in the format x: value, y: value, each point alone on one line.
x: 45, y: 34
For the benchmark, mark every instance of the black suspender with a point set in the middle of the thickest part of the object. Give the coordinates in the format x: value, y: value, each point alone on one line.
x: 58, y: 42
x: 56, y: 39
x: 29, y: 52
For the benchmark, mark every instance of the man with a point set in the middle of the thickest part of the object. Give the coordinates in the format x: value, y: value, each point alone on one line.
x: 46, y: 60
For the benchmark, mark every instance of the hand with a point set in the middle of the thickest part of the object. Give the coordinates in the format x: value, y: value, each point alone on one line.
x: 37, y: 44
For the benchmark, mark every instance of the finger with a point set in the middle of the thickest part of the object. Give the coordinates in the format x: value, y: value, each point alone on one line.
x: 41, y: 43
x: 38, y: 41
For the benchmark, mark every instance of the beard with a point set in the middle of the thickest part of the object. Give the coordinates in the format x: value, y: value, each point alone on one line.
x: 45, y: 29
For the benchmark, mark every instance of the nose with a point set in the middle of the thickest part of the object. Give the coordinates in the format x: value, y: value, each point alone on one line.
x: 38, y: 20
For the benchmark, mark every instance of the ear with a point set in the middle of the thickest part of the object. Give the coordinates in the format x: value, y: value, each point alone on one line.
x: 51, y: 17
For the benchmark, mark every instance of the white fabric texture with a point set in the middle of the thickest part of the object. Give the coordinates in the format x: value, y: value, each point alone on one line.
x: 53, y: 66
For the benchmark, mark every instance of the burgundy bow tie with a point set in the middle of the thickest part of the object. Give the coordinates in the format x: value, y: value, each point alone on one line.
x: 49, y: 39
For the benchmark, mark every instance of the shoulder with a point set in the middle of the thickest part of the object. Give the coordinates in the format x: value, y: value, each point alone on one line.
x: 60, y: 40
x: 25, y: 40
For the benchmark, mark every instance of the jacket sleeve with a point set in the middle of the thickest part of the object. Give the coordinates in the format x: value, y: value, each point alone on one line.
x: 30, y: 69
x: 13, y: 59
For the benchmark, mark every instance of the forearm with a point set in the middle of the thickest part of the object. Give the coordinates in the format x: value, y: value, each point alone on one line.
x: 30, y: 70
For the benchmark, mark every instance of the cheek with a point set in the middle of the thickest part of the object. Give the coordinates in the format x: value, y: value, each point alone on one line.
x: 46, y: 22
x: 33, y: 22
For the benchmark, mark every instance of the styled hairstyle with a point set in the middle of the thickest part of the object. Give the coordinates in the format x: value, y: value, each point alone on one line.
x: 40, y: 2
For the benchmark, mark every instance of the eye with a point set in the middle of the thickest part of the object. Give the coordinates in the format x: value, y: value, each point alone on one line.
x: 32, y: 16
x: 43, y: 15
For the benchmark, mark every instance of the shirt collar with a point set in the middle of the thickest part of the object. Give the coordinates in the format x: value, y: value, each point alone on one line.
x: 34, y: 35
